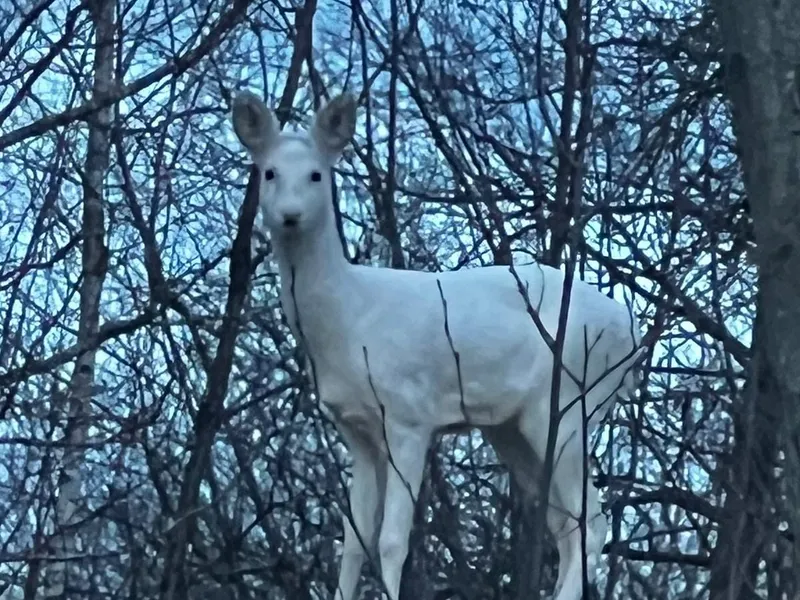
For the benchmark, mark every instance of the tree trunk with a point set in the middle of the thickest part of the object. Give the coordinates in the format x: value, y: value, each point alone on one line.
x: 761, y: 41
x: 94, y: 266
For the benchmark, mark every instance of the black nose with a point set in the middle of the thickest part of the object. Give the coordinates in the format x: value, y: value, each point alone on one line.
x: 291, y: 219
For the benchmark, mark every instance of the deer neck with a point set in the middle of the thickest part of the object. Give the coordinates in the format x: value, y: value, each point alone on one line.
x: 314, y: 282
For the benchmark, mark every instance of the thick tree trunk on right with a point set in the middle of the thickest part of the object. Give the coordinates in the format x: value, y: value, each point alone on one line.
x: 761, y: 40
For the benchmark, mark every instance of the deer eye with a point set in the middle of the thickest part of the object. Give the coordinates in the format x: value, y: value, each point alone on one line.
x: 269, y: 174
x: 316, y: 176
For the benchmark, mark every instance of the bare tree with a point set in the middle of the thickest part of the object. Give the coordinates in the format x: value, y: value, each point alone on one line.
x: 64, y: 543
x: 762, y: 79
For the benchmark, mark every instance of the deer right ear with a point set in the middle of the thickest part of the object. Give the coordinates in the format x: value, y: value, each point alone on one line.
x: 254, y: 123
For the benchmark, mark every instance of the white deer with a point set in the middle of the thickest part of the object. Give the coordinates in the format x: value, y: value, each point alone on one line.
x: 385, y: 366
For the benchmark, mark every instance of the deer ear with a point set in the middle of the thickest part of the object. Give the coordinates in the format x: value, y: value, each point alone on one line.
x: 254, y: 123
x: 334, y: 125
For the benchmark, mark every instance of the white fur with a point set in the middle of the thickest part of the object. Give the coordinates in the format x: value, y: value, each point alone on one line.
x: 389, y: 400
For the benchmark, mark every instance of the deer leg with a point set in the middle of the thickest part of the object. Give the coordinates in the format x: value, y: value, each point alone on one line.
x: 563, y: 517
x: 365, y: 497
x: 406, y: 463
x: 513, y: 448
x: 565, y: 502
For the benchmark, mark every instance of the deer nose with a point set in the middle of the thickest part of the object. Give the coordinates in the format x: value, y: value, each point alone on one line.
x: 291, y: 218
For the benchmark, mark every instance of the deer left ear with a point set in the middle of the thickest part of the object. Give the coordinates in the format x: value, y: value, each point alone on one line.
x: 334, y: 126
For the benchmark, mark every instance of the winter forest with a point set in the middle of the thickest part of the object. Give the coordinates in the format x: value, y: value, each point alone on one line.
x: 160, y: 435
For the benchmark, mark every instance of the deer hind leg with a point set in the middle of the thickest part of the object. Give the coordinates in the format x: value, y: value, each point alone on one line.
x: 569, y: 483
x: 408, y: 449
x: 572, y: 455
x: 518, y: 454
x: 565, y: 507
x: 365, y: 499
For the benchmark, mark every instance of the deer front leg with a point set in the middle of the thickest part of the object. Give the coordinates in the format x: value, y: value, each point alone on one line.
x: 365, y: 498
x: 405, y: 465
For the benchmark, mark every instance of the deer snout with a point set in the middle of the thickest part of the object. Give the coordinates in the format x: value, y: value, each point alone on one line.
x: 291, y: 218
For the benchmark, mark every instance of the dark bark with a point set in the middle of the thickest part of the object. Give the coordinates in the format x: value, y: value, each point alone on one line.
x: 385, y: 205
x: 761, y: 42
